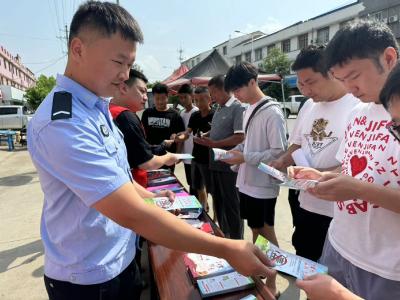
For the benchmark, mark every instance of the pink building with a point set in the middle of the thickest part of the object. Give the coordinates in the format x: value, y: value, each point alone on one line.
x: 13, y: 73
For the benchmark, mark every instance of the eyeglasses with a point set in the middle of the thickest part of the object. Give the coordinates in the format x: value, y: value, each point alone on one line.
x: 394, y: 129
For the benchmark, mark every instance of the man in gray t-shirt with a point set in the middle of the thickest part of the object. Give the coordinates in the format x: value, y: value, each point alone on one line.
x: 226, y: 132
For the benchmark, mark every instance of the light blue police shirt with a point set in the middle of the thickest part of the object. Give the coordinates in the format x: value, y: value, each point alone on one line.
x: 80, y: 160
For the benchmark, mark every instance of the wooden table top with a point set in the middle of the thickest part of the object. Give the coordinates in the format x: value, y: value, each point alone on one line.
x: 173, y: 281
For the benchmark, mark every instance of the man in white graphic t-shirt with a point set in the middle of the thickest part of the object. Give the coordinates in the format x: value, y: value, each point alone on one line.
x: 318, y: 133
x: 363, y: 246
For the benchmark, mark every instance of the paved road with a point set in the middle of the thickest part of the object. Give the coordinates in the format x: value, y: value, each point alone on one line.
x: 21, y: 251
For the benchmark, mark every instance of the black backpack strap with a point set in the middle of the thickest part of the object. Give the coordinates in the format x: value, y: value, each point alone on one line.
x: 62, y: 106
x: 254, y: 112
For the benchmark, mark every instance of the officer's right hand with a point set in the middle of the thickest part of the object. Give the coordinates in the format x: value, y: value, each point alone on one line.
x: 248, y: 259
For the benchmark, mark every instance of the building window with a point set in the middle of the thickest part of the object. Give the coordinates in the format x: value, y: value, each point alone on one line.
x: 238, y: 59
x: 303, y: 41
x: 258, y: 54
x: 286, y: 46
x: 270, y: 47
x: 247, y: 56
x: 224, y: 50
x: 323, y: 36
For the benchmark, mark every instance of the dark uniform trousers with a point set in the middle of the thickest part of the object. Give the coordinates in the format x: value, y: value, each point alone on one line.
x: 126, y: 286
x: 226, y: 203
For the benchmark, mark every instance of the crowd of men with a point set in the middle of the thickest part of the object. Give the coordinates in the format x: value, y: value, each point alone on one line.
x: 348, y: 133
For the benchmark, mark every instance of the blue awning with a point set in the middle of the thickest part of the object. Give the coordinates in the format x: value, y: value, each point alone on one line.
x: 291, y: 81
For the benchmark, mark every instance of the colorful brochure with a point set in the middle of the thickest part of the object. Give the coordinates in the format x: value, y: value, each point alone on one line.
x: 297, y: 184
x: 223, y: 284
x: 204, y: 266
x: 175, y: 187
x: 288, y: 263
x: 182, y: 203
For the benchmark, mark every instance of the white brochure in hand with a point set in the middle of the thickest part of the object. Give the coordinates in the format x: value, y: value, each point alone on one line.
x: 297, y: 184
x: 183, y: 156
x: 220, y: 154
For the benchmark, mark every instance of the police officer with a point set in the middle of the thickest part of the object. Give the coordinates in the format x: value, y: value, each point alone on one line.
x: 91, y: 208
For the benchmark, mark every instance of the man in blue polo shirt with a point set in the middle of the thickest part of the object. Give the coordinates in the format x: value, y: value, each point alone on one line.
x: 91, y: 208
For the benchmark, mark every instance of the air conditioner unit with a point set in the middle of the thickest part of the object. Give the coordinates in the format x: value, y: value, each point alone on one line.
x: 384, y: 20
x: 393, y: 19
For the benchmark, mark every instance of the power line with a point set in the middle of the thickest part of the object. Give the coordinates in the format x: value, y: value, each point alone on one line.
x: 26, y: 37
x: 52, y: 64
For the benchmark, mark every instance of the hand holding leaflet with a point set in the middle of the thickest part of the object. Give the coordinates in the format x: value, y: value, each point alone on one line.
x: 288, y: 263
x: 297, y: 184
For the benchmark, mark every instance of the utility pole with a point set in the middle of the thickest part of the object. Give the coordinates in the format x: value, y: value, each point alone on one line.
x: 64, y: 39
x: 118, y: 2
x: 181, y: 58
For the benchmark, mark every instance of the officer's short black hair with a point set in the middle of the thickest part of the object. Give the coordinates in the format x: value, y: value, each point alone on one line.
x: 107, y: 19
x: 201, y: 90
x: 311, y: 57
x: 240, y: 75
x: 160, y: 88
x: 133, y: 76
x: 217, y: 81
x: 391, y: 87
x: 185, y: 89
x: 359, y: 40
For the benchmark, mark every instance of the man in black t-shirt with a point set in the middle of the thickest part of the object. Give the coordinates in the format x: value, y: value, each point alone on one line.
x: 200, y: 123
x: 160, y: 122
x: 131, y: 98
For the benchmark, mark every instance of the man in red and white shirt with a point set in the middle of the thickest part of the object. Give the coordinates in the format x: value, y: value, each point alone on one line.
x: 362, y: 250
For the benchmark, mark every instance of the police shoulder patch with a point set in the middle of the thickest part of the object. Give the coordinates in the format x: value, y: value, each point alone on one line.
x: 62, y: 106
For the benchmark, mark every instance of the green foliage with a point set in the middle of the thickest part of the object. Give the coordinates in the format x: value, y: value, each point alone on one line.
x: 137, y: 68
x: 276, y: 62
x: 36, y: 94
x: 274, y: 90
x: 150, y: 85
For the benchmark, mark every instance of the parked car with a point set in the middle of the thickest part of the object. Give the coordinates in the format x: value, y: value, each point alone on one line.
x: 14, y: 117
x: 293, y: 104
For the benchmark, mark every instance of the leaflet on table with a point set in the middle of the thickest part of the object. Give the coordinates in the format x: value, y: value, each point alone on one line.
x: 182, y: 203
x: 297, y: 184
x: 175, y: 187
x: 220, y: 154
x: 162, y: 181
x: 203, y: 266
x: 223, y: 284
x: 159, y: 173
x: 183, y: 156
x: 288, y: 263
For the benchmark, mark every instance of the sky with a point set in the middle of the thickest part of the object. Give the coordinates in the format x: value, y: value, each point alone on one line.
x: 35, y: 29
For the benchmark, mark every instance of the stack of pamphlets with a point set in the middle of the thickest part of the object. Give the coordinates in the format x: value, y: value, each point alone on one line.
x: 214, y: 275
x: 222, y: 284
x: 288, y: 263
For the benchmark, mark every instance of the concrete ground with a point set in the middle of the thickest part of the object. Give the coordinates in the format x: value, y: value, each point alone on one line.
x: 21, y: 251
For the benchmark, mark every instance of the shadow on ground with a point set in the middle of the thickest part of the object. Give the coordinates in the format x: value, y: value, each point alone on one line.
x: 34, y: 250
x: 17, y: 180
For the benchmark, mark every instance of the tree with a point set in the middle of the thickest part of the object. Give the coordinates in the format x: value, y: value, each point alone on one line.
x: 37, y: 93
x: 136, y: 67
x: 276, y: 62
